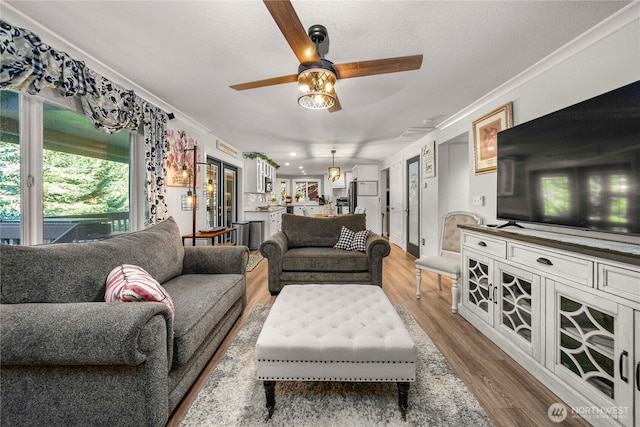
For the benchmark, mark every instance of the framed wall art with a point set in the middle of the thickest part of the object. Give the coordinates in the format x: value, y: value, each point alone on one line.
x: 485, y: 137
x: 429, y: 160
x: 180, y: 152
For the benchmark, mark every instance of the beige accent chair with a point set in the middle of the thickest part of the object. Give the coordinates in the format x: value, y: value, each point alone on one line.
x: 448, y: 262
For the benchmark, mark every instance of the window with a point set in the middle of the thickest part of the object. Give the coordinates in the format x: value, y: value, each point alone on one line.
x: 307, y: 191
x: 555, y: 190
x: 76, y: 179
x: 609, y: 199
x: 10, y: 167
x: 283, y: 190
x: 85, y: 178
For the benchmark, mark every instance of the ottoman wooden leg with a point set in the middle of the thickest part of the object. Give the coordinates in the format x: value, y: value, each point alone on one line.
x: 403, y: 398
x: 270, y: 391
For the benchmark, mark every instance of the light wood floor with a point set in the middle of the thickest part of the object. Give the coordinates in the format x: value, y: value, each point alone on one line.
x: 509, y: 394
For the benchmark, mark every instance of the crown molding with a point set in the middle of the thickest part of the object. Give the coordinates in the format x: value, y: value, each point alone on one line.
x: 19, y: 19
x: 614, y: 23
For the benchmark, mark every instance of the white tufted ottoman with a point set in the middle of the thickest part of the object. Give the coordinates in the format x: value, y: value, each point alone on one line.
x: 334, y: 333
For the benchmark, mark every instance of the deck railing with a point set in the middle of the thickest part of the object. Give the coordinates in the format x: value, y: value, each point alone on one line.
x: 76, y: 228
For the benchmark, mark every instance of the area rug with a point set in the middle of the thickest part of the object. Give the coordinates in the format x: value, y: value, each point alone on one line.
x: 233, y: 396
x: 254, y: 259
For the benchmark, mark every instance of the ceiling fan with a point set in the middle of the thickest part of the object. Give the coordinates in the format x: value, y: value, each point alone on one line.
x: 317, y: 76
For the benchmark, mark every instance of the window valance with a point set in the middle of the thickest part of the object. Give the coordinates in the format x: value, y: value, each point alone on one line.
x: 28, y: 64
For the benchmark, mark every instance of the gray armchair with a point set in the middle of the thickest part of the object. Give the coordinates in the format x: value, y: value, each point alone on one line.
x: 303, y: 253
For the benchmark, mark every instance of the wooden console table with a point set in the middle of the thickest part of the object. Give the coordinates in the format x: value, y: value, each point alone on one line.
x: 213, y: 235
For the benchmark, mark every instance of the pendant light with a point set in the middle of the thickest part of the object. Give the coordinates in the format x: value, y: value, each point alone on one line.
x: 334, y: 172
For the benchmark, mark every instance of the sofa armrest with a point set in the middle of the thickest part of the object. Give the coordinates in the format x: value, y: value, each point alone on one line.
x: 92, y: 333
x: 377, y: 248
x: 215, y: 260
x: 274, y: 249
x: 275, y: 246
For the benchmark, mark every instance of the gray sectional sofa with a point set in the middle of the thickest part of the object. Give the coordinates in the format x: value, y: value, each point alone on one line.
x: 69, y: 358
x: 302, y: 253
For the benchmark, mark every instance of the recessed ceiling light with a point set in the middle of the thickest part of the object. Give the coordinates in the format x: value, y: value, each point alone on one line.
x: 299, y: 167
x: 293, y: 154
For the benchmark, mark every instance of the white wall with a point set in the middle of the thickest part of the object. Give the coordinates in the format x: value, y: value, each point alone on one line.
x: 453, y: 188
x: 604, y: 58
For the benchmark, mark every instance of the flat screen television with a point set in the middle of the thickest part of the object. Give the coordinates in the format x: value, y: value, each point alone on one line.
x: 576, y: 167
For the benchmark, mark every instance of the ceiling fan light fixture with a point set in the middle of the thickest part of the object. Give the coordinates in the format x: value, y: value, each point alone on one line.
x: 317, y: 86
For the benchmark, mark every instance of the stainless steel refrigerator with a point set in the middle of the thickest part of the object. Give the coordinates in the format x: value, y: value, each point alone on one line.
x: 352, y: 196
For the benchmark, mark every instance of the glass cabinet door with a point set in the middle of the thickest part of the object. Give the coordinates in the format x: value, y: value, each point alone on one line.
x: 478, y: 287
x: 519, y: 308
x: 586, y: 338
x: 594, y: 348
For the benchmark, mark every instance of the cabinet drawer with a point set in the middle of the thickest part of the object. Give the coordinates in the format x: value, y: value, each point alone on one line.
x: 576, y: 269
x: 485, y: 245
x: 619, y: 281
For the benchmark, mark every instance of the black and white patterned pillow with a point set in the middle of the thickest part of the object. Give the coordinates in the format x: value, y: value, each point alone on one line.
x: 359, y: 242
x: 346, y: 239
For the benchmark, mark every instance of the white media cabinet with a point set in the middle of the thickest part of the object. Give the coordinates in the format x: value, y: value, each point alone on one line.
x: 566, y: 308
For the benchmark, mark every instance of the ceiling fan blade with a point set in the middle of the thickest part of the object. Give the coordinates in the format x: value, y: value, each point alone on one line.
x: 266, y: 82
x: 378, y: 66
x: 335, y: 107
x: 287, y: 19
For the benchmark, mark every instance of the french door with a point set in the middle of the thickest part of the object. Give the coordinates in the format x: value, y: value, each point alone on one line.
x: 413, y: 206
x: 222, y: 193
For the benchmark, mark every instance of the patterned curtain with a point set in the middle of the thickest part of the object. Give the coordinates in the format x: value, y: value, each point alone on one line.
x: 155, y: 127
x: 29, y: 65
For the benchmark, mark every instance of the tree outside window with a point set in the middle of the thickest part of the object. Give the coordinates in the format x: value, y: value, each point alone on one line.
x: 307, y: 191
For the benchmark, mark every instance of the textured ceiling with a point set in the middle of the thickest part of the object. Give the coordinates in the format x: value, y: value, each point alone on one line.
x: 187, y: 53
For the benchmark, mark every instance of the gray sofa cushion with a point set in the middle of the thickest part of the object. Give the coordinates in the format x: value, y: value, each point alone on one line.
x: 76, y: 272
x: 200, y: 302
x: 304, y: 231
x: 324, y: 259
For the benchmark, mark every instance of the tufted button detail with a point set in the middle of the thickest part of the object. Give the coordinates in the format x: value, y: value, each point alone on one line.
x: 345, y: 333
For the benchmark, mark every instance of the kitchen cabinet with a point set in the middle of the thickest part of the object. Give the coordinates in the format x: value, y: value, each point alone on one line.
x: 312, y: 209
x: 365, y: 172
x: 367, y: 178
x: 255, y: 172
x: 330, y: 185
x: 566, y: 308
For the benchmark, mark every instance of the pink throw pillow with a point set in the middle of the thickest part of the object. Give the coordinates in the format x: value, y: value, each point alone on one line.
x: 130, y: 283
